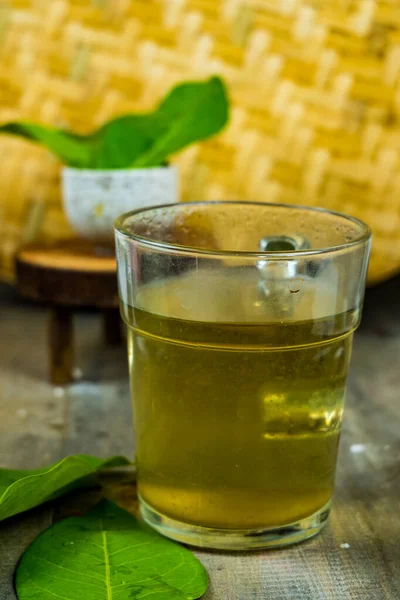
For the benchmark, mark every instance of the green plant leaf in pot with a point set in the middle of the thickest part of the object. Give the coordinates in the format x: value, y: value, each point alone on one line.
x: 107, y: 554
x: 191, y: 112
x: 117, y: 143
x: 71, y: 149
x: 23, y: 490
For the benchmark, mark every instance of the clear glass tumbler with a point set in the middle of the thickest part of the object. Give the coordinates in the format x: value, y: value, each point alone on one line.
x: 240, y: 321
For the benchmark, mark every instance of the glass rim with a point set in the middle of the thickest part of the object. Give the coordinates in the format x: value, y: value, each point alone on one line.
x: 364, y: 237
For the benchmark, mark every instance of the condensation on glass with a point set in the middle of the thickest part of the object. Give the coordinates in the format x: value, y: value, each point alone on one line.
x: 240, y: 319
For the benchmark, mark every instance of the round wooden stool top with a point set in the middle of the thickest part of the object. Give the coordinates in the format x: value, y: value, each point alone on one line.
x: 68, y: 273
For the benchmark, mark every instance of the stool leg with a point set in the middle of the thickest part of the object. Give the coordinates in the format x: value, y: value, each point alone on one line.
x: 61, y: 345
x: 112, y: 326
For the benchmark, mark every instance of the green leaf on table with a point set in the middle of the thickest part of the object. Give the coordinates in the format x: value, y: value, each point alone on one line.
x: 23, y: 490
x: 107, y: 554
x: 190, y: 112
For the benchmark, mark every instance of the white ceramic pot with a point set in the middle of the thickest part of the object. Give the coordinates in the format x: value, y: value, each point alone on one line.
x: 94, y: 199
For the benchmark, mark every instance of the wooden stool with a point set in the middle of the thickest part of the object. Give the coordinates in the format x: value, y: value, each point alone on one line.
x: 69, y: 274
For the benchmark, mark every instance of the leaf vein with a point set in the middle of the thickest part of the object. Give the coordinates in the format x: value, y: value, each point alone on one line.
x: 107, y: 563
x: 137, y: 560
x: 58, y: 566
x: 40, y: 587
x: 128, y: 548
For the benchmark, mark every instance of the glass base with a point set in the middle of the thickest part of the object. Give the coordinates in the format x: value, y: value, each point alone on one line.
x: 235, y: 539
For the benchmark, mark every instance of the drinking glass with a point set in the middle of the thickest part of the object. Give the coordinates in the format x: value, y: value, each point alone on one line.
x: 240, y: 321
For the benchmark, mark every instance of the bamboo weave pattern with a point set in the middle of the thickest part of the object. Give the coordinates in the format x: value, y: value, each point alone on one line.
x: 315, y: 87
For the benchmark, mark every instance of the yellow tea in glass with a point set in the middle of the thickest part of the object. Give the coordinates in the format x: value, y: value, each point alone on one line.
x: 240, y: 320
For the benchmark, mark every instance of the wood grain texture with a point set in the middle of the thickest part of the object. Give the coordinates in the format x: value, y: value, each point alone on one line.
x: 357, y: 557
x: 70, y: 255
x: 69, y: 273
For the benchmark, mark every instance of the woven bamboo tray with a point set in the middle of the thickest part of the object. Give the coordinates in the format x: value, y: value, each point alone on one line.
x: 315, y: 86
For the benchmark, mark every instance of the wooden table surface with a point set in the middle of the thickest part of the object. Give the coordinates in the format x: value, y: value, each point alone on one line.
x: 357, y: 557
